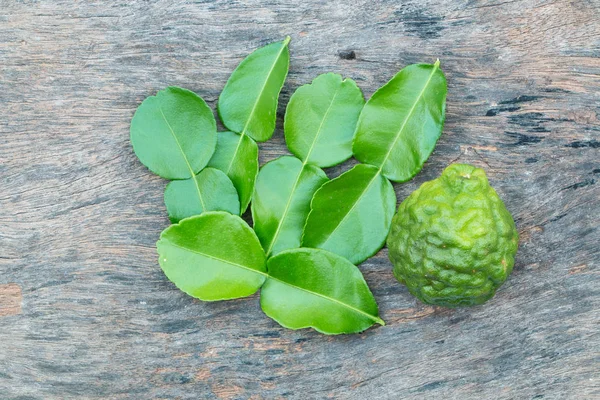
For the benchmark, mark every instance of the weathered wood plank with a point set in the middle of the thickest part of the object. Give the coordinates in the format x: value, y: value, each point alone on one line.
x: 79, y: 215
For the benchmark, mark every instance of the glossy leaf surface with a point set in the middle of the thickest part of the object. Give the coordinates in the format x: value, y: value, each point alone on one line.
x: 351, y: 214
x: 210, y: 190
x: 174, y: 133
x: 237, y: 156
x: 281, y: 202
x: 320, y: 120
x: 400, y: 124
x: 318, y: 289
x: 212, y: 256
x: 248, y: 103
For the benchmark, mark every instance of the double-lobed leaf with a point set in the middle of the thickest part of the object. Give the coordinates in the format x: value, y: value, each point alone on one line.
x: 237, y: 156
x: 351, y: 214
x: 320, y: 120
x: 281, y: 202
x: 212, y: 256
x: 174, y: 133
x: 318, y: 289
x: 210, y: 190
x: 395, y: 134
x: 319, y: 126
x: 401, y: 123
x: 248, y: 103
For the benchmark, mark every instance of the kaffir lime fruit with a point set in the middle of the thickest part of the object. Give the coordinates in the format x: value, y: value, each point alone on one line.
x: 453, y: 241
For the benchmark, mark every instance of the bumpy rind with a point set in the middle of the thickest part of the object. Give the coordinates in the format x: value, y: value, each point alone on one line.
x: 453, y: 242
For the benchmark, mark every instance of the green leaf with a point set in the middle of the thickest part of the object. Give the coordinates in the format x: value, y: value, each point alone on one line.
x: 281, y: 202
x: 212, y: 256
x: 400, y: 124
x: 320, y: 120
x: 317, y: 289
x: 174, y: 133
x: 237, y: 156
x: 351, y: 214
x: 210, y: 190
x: 248, y: 103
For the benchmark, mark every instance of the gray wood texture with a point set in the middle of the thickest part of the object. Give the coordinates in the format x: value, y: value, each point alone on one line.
x: 85, y: 311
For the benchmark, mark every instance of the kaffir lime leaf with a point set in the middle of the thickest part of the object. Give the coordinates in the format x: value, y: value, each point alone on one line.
x: 453, y: 242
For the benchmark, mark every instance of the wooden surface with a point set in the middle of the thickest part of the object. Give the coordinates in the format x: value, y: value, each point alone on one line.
x: 85, y: 311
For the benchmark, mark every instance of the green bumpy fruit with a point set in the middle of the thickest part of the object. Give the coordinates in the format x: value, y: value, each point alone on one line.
x: 453, y: 242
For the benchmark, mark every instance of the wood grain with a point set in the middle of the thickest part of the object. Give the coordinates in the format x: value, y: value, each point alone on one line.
x: 79, y: 215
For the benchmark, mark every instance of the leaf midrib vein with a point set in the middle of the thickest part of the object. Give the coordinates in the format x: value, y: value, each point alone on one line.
x: 216, y: 258
x: 241, y: 136
x: 262, y: 90
x: 285, y: 211
x: 333, y: 300
x: 243, y: 132
x: 358, y: 199
x: 193, y: 175
x: 304, y: 163
x: 317, y: 135
x: 409, y: 115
